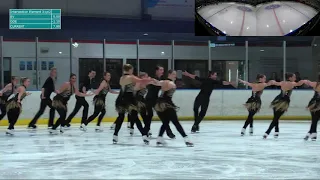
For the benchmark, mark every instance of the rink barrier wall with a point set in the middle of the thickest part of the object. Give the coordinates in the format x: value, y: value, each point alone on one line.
x: 224, y: 105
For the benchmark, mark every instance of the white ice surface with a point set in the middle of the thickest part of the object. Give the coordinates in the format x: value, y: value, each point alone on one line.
x: 219, y: 153
x: 260, y: 22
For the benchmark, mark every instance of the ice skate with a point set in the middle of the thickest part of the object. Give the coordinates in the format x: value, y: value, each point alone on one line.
x: 145, y: 139
x: 251, y: 131
x: 276, y: 135
x: 307, y: 137
x: 113, y: 126
x: 149, y: 133
x: 265, y: 136
x: 83, y: 127
x: 161, y: 142
x: 53, y: 132
x: 313, y: 136
x: 188, y: 142
x: 115, y: 139
x: 131, y: 132
x: 32, y: 127
x: 99, y: 129
x: 10, y: 132
x: 243, y: 131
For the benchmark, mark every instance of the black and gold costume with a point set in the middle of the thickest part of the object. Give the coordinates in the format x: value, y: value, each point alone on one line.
x: 4, y: 100
x: 314, y: 108
x: 99, y: 102
x: 141, y: 109
x: 60, y: 102
x: 126, y: 103
x: 14, y: 109
x: 253, y: 106
x: 167, y: 111
x: 279, y: 105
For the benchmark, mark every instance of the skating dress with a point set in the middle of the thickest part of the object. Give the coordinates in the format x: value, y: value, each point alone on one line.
x: 282, y: 101
x: 60, y: 101
x: 165, y: 102
x: 314, y: 103
x: 13, y: 102
x: 99, y: 101
x: 254, y: 102
x: 126, y: 101
x: 141, y: 102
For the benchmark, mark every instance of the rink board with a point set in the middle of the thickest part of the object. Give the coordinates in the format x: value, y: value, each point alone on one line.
x: 186, y: 118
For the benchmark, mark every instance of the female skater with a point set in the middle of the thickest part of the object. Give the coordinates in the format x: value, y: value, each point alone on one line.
x: 281, y: 103
x: 314, y: 108
x: 253, y: 104
x: 203, y: 98
x: 61, y: 99
x: 126, y: 102
x: 166, y: 109
x: 14, y: 105
x: 99, y: 102
x: 5, y: 93
x: 140, y: 90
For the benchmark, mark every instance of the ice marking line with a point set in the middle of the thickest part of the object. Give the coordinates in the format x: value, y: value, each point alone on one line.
x: 280, y: 28
x: 219, y: 11
x: 243, y: 18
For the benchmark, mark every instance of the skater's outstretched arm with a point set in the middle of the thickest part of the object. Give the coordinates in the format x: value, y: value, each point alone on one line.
x: 78, y: 93
x: 312, y: 84
x: 300, y: 83
x: 112, y: 91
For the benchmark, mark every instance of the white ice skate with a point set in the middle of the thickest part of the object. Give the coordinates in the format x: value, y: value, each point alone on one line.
x: 313, y: 136
x: 53, y: 131
x: 307, y: 137
x: 10, y: 132
x: 113, y: 126
x: 115, y: 139
x: 66, y: 128
x: 276, y: 135
x: 83, y: 127
x: 145, y: 139
x: 265, y: 136
x: 99, y: 129
x: 188, y: 142
x: 243, y: 131
x: 149, y: 133
x: 251, y: 131
x: 161, y: 142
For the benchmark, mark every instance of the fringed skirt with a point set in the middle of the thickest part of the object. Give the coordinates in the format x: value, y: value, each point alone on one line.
x: 141, y: 104
x: 280, y: 103
x: 314, y: 104
x: 99, y: 102
x: 126, y: 104
x: 59, y: 102
x: 13, y: 104
x: 163, y: 104
x: 253, y: 104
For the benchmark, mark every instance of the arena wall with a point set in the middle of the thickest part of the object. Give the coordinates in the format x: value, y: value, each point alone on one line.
x: 224, y: 105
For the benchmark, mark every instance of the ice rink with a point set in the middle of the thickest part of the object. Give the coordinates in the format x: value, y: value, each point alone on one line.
x: 269, y: 19
x: 219, y: 153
